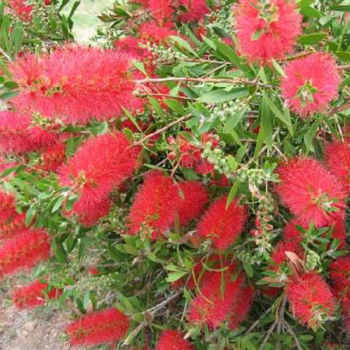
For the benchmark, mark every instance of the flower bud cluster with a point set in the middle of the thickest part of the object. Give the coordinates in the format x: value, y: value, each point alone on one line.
x: 164, y: 54
x: 216, y: 156
x: 226, y: 110
x: 313, y: 260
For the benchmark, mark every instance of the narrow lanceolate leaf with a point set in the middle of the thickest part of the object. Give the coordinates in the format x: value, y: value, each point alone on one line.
x: 310, y: 39
x: 284, y: 117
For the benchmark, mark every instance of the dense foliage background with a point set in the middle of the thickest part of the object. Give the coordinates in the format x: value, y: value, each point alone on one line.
x: 185, y: 170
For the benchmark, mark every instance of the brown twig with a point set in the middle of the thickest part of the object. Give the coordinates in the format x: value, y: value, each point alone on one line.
x: 291, y: 332
x: 202, y: 80
x: 166, y: 127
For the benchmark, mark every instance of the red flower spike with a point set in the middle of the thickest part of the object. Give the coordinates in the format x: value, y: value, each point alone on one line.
x: 161, y: 10
x: 340, y: 277
x: 311, y: 83
x: 7, y: 207
x: 33, y: 295
x: 311, y: 192
x: 173, y: 340
x: 195, y: 10
x: 337, y: 157
x: 216, y: 300
x: 106, y: 326
x: 53, y: 157
x: 17, y: 135
x: 222, y: 225
x: 24, y: 251
x: 155, y: 205
x: 14, y: 227
x: 242, y: 307
x: 100, y: 165
x: 310, y: 299
x: 267, y: 31
x: 89, y: 213
x: 292, y: 234
x: 151, y: 32
x: 74, y: 83
x: 278, y: 255
x: 193, y: 199
x: 21, y: 9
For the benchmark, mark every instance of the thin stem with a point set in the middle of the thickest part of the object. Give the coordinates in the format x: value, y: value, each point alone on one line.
x: 258, y: 321
x: 7, y: 56
x: 166, y: 127
x: 202, y: 80
x: 291, y: 332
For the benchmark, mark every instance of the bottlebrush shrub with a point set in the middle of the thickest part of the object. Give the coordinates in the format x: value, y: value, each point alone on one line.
x: 183, y: 183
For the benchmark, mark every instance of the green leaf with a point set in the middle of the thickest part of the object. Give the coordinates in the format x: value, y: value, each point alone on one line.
x: 156, y: 106
x: 183, y: 44
x: 266, y: 123
x: 227, y: 52
x: 233, y: 193
x: 310, y: 39
x: 174, y: 276
x: 309, y: 11
x: 232, y: 163
x: 283, y: 117
x: 344, y: 56
x: 57, y: 204
x: 30, y: 216
x: 341, y: 8
x: 175, y: 106
x: 309, y: 136
x: 219, y: 96
x: 256, y: 35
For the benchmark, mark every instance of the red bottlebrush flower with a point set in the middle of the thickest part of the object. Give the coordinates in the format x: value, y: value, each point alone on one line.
x: 89, y: 213
x: 310, y: 298
x: 189, y: 154
x: 131, y: 46
x: 291, y: 232
x: 216, y: 300
x: 241, y: 309
x: 24, y: 251
x: 311, y: 83
x: 278, y: 256
x: 337, y: 157
x: 106, y: 326
x: 311, y: 192
x: 340, y: 277
x: 267, y: 31
x: 151, y: 32
x: 155, y: 205
x: 193, y: 199
x: 53, y: 157
x: 205, y: 168
x: 98, y: 167
x: 173, y: 340
x: 21, y: 9
x: 18, y: 136
x: 7, y: 207
x: 75, y: 84
x: 195, y: 10
x: 14, y: 227
x: 161, y: 10
x: 33, y: 295
x: 222, y: 225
